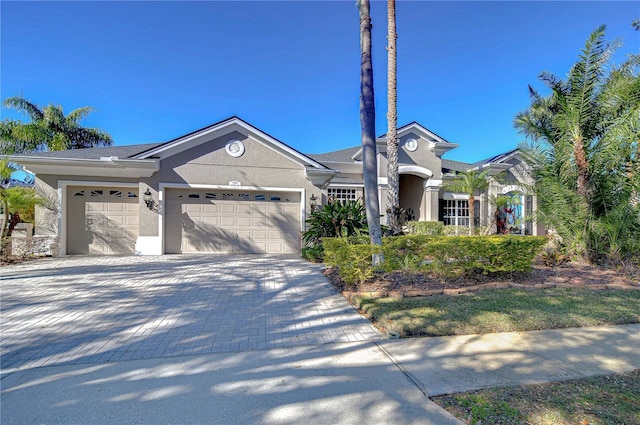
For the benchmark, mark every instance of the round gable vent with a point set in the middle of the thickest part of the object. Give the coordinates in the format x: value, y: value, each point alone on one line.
x: 411, y: 144
x: 235, y: 148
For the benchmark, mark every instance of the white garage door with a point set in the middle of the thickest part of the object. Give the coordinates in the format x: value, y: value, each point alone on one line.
x: 224, y: 221
x: 102, y: 220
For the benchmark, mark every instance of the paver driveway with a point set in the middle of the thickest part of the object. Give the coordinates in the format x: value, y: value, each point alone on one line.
x: 97, y: 309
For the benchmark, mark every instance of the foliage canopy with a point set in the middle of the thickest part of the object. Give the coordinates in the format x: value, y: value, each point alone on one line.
x: 584, y: 139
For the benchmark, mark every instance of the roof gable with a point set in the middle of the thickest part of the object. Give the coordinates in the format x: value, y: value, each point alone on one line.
x: 221, y: 128
x: 437, y: 144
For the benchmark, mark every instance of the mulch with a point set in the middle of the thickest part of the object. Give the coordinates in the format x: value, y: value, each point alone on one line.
x: 565, y: 275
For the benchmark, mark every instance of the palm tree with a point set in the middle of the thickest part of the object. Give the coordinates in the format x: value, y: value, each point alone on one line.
x: 368, y: 124
x: 585, y: 138
x: 393, y: 186
x: 49, y: 129
x: 470, y: 183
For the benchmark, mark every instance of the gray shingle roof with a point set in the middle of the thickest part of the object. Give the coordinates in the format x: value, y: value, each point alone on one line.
x: 345, y: 180
x: 343, y: 155
x: 496, y: 158
x: 448, y: 164
x: 121, y: 152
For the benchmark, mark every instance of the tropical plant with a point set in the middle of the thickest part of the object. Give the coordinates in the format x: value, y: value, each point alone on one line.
x: 584, y: 137
x: 48, y: 130
x: 17, y: 203
x: 393, y: 179
x: 336, y: 219
x: 469, y: 183
x: 368, y: 125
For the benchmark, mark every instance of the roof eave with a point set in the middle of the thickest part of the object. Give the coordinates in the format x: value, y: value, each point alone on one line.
x: 107, y: 167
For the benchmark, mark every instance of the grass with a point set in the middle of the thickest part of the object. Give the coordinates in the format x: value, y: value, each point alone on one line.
x: 600, y: 400
x: 502, y: 310
x: 613, y: 399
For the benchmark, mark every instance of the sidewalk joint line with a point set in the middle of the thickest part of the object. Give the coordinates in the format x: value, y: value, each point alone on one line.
x: 415, y: 381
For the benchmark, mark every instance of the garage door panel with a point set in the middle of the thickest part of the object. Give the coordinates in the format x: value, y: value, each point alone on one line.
x: 209, y: 221
x: 102, y: 221
x: 260, y: 209
x: 229, y: 221
x: 275, y: 247
x: 114, y: 207
x: 243, y: 209
x: 259, y: 221
x: 260, y: 234
x: 210, y: 209
x: 243, y: 221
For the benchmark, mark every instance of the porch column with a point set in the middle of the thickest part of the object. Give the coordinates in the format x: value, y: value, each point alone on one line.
x: 431, y: 190
x: 524, y: 213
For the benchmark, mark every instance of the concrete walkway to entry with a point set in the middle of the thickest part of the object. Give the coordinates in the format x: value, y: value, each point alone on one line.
x: 78, y: 310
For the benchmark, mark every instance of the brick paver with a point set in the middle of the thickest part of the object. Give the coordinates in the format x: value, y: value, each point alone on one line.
x: 97, y: 309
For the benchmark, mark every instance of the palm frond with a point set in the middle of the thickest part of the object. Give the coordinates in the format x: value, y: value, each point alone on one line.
x: 21, y: 104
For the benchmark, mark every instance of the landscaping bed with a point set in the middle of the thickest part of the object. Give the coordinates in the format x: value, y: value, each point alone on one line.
x: 576, y: 274
x: 412, y: 303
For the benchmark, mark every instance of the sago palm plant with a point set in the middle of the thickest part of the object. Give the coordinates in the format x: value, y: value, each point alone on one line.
x: 336, y: 219
x: 584, y: 138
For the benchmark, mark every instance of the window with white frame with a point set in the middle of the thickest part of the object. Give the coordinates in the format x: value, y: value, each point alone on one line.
x: 456, y: 212
x: 342, y: 194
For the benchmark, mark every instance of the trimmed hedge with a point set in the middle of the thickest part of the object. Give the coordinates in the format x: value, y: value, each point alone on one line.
x: 351, y: 256
x: 443, y: 255
x: 428, y: 228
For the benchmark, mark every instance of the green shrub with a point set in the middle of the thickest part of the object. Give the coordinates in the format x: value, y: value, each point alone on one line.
x: 450, y: 230
x: 336, y: 219
x: 353, y: 260
x: 446, y: 256
x: 429, y: 228
x: 313, y: 253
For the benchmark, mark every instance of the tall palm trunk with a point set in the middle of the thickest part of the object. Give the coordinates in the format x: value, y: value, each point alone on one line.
x: 393, y: 187
x: 368, y: 125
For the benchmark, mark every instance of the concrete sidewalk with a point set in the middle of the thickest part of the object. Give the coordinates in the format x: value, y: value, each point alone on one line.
x: 346, y: 383
x: 448, y: 365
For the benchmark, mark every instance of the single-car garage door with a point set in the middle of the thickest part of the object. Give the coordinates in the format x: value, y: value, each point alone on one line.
x: 225, y: 221
x: 102, y: 220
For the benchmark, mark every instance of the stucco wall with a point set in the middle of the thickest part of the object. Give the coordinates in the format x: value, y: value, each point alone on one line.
x: 46, y: 217
x: 210, y: 164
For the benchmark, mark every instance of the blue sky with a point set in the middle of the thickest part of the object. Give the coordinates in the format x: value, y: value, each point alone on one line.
x: 157, y: 70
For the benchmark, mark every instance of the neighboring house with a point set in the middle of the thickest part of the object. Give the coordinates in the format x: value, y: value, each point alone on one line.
x: 230, y: 187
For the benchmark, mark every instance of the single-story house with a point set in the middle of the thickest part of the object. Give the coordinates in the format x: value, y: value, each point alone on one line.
x: 231, y: 187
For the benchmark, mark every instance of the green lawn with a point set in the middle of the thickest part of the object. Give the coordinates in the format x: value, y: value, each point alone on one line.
x: 600, y: 400
x: 502, y: 310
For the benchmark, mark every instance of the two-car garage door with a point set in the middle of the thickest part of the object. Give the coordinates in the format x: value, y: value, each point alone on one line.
x: 225, y: 221
x: 105, y: 220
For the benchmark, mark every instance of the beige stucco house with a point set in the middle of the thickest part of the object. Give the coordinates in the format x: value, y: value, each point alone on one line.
x: 231, y: 187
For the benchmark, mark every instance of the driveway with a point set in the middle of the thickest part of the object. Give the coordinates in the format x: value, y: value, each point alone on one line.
x: 81, y: 310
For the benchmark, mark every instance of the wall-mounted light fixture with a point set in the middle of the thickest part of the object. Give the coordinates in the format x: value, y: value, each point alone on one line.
x: 313, y: 202
x: 148, y: 200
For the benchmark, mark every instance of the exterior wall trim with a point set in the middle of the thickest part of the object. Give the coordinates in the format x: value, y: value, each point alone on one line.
x: 415, y: 170
x: 455, y: 196
x: 513, y: 188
